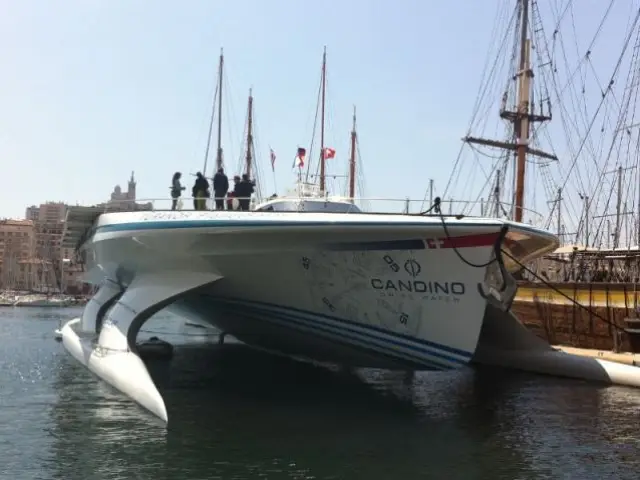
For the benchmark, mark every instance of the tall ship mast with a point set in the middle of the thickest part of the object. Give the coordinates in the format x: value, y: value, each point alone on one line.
x: 522, y: 116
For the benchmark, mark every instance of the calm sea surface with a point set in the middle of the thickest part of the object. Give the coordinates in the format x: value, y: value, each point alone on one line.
x: 236, y: 413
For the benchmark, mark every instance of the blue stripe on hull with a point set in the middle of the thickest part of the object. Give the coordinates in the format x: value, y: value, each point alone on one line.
x: 388, y: 245
x: 342, y: 337
x: 394, y: 347
x: 249, y: 223
x: 371, y: 329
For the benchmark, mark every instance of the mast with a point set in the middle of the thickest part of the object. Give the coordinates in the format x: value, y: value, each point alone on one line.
x: 217, y: 97
x: 324, y: 88
x: 521, y: 123
x: 559, y: 219
x: 616, y: 238
x: 638, y: 214
x: 220, y: 70
x: 522, y: 117
x: 352, y: 160
x: 431, y: 182
x: 496, y: 195
x: 249, y: 135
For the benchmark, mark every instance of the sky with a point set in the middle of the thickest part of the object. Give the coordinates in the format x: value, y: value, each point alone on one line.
x: 92, y: 90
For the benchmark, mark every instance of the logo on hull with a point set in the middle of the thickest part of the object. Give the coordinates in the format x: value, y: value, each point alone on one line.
x: 448, y: 291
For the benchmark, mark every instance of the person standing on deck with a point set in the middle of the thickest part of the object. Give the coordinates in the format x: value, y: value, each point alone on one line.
x: 176, y: 190
x: 220, y: 188
x: 244, y: 190
x: 232, y: 194
x: 200, y: 192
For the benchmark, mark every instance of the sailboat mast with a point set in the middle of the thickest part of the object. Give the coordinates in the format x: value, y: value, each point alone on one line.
x: 322, y: 112
x: 220, y: 70
x: 249, y: 135
x: 352, y: 160
x: 522, y: 125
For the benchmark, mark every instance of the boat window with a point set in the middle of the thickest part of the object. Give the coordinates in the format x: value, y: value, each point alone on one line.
x: 309, y: 206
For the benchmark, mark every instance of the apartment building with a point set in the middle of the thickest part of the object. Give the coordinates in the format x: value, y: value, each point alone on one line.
x: 17, y: 243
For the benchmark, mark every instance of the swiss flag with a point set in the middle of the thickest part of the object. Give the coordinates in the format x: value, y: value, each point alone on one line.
x: 329, y: 153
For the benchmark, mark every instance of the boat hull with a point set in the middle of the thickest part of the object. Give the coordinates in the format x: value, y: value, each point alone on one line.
x: 398, y: 291
x: 387, y: 291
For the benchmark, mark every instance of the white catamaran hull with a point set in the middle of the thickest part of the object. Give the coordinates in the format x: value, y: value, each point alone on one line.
x: 360, y: 289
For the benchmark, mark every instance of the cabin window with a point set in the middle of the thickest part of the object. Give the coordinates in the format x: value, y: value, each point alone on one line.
x: 309, y: 206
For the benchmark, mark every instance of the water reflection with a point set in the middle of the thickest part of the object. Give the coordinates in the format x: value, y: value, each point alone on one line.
x: 239, y: 413
x: 98, y: 432
x: 39, y: 313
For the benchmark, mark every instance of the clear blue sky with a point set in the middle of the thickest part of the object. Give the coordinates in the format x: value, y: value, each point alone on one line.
x: 93, y: 89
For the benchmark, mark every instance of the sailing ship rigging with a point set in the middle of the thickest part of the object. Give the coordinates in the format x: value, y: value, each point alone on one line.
x: 592, y: 187
x: 525, y: 108
x: 560, y: 102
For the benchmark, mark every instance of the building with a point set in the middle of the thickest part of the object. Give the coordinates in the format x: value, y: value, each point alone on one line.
x: 16, y: 238
x: 17, y: 243
x: 43, y: 269
x: 125, y: 200
x: 118, y: 196
x: 31, y: 252
x: 50, y: 212
x: 32, y: 213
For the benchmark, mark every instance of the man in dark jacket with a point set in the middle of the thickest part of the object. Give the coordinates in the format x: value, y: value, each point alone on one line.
x: 243, y: 191
x: 200, y: 192
x: 220, y: 188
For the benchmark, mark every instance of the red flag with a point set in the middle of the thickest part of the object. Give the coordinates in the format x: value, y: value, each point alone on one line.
x: 329, y: 153
x: 273, y: 159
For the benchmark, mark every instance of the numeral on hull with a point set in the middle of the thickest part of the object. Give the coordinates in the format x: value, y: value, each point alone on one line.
x: 392, y: 263
x: 326, y: 301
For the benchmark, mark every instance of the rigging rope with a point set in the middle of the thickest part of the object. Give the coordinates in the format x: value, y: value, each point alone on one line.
x: 438, y: 211
x: 600, y: 103
x: 548, y: 284
x: 436, y: 208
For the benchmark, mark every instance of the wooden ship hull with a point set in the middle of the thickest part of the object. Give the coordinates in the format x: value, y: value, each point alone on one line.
x: 577, y: 321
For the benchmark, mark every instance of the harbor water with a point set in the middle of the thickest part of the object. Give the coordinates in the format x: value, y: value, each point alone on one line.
x: 237, y: 413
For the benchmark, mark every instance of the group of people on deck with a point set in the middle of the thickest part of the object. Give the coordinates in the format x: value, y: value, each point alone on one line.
x: 243, y: 188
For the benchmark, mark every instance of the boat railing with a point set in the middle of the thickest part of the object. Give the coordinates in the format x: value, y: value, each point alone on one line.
x: 367, y: 205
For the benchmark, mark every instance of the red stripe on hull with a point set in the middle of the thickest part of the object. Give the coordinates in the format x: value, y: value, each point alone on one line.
x: 467, y: 241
